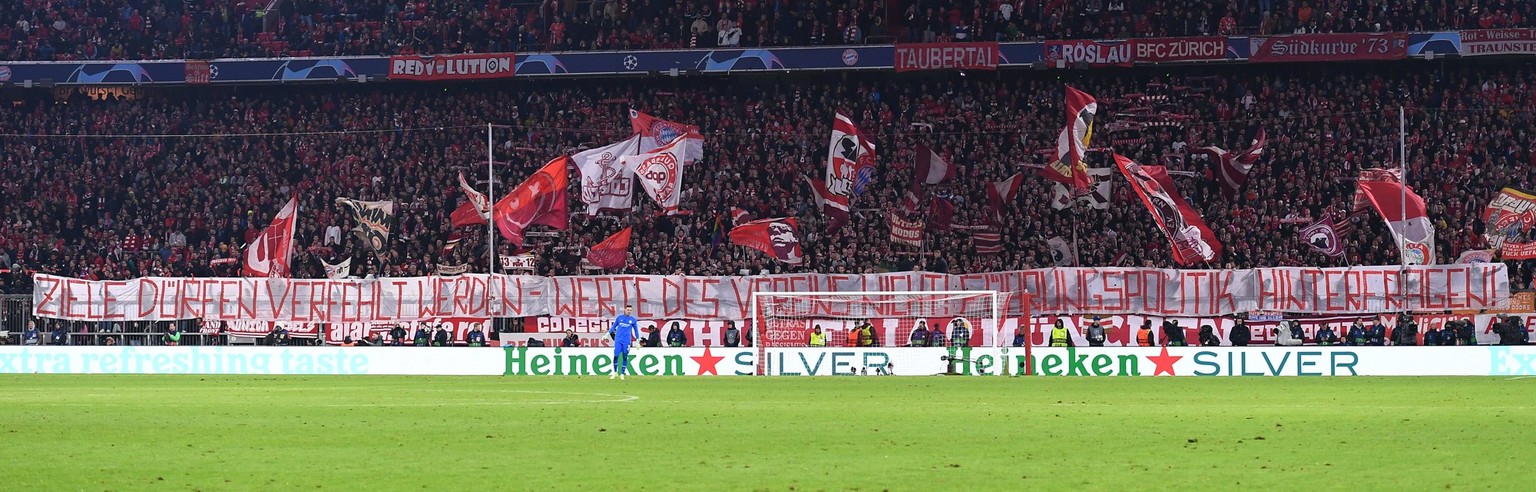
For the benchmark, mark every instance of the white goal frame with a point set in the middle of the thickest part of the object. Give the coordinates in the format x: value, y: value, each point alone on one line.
x: 757, y: 318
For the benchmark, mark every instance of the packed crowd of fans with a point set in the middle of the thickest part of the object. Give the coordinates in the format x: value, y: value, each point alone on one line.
x: 80, y: 200
x: 154, y: 29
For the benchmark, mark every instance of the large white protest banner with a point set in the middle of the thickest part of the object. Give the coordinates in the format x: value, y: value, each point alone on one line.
x: 1050, y: 291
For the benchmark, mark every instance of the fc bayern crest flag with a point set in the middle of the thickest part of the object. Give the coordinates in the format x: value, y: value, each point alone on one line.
x: 1405, y: 214
x: 655, y: 132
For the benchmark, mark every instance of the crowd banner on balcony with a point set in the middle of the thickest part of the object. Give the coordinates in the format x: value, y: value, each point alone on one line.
x: 1052, y: 291
x: 1486, y: 42
x: 1328, y: 47
x: 947, y: 56
x: 472, y: 66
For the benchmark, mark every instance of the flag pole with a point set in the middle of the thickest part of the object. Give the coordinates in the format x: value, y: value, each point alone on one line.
x: 490, y: 180
x: 1402, y: 159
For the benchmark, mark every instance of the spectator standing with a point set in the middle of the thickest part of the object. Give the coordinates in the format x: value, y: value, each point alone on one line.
x: 571, y: 340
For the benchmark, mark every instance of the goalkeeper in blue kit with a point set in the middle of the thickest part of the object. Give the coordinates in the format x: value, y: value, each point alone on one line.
x: 624, y: 331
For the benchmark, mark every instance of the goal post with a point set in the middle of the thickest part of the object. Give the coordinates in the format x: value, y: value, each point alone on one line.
x: 786, y: 322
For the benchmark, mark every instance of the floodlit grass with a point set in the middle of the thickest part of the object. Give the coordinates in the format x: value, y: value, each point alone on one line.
x: 864, y: 433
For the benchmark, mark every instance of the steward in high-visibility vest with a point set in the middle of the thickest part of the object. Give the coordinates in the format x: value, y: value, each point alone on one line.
x: 1144, y: 335
x: 818, y: 339
x: 1059, y: 336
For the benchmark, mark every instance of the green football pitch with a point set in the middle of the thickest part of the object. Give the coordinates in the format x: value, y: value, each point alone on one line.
x: 840, y: 433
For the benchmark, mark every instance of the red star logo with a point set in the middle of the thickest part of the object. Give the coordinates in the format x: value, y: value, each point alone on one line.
x: 707, y: 362
x: 1164, y: 362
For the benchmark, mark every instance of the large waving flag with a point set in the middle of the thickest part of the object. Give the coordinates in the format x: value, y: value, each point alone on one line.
x: 605, y: 184
x: 474, y: 211
x: 1001, y: 193
x: 1193, y: 242
x: 655, y: 132
x: 1324, y: 236
x: 850, y: 167
x: 1232, y: 169
x: 1404, y: 212
x: 271, y: 253
x: 660, y: 171
x: 373, y: 221
x: 1098, y: 196
x: 777, y: 237
x: 1069, y: 168
x: 612, y: 253
x: 540, y: 199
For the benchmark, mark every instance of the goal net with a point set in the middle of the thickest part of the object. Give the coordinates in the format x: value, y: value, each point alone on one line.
x: 967, y: 324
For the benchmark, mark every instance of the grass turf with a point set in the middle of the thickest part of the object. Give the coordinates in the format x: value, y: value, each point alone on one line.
x: 864, y: 433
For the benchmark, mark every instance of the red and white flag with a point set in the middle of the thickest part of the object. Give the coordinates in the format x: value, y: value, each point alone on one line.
x: 903, y: 231
x: 1405, y: 214
x: 612, y: 253
x: 655, y: 132
x: 605, y: 183
x: 540, y: 199
x: 989, y: 242
x: 271, y: 253
x: 850, y: 167
x: 1002, y: 193
x: 930, y: 167
x: 476, y: 210
x: 660, y: 172
x: 1232, y: 169
x: 777, y: 237
x: 1072, y: 143
x: 1193, y: 242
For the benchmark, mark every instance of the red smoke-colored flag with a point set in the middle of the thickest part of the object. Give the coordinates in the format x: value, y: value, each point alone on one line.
x: 612, y: 253
x: 271, y: 253
x: 656, y: 132
x: 850, y: 167
x: 1193, y: 242
x: 540, y: 199
x: 1001, y: 193
x: 1072, y: 143
x: 778, y: 237
x: 1232, y: 169
x: 1405, y: 214
x: 943, y: 214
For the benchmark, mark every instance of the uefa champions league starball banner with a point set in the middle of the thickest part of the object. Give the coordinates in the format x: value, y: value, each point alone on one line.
x: 1187, y: 293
